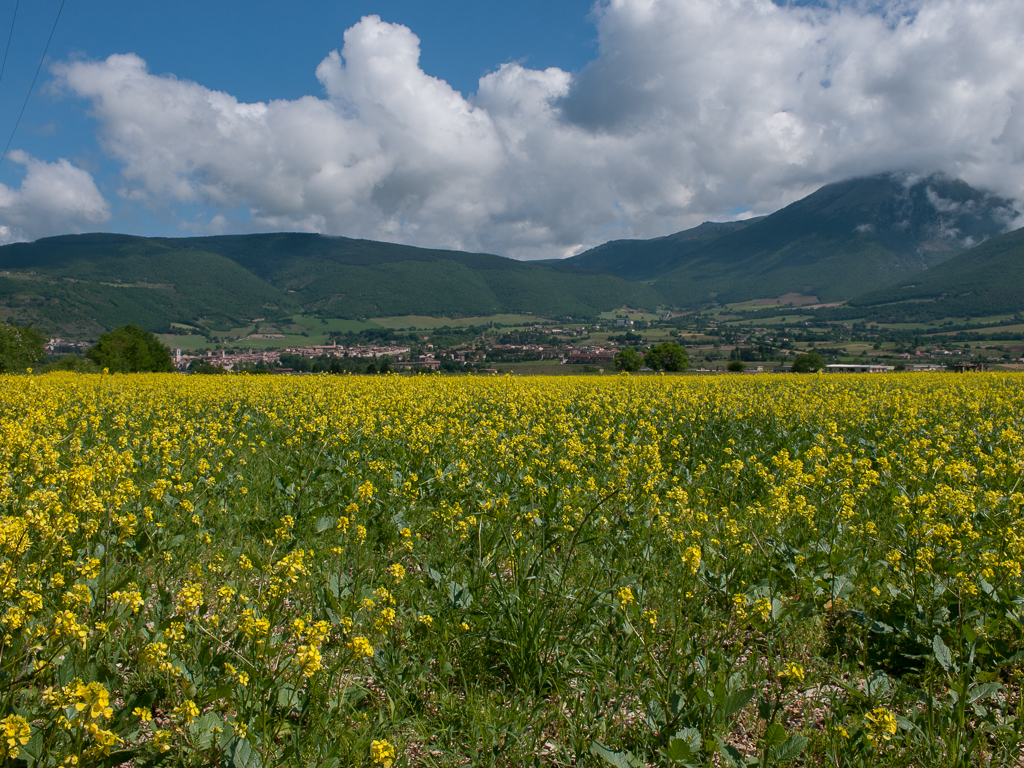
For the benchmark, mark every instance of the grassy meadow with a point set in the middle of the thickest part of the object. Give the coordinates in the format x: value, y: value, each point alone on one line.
x: 504, y: 571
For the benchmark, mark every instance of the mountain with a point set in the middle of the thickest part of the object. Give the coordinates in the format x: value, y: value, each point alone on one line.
x: 845, y: 240
x: 83, y: 284
x: 985, y: 280
x: 847, y: 237
x: 649, y: 259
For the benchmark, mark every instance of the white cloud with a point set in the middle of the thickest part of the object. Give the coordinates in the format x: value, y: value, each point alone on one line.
x: 692, y: 108
x: 53, y: 199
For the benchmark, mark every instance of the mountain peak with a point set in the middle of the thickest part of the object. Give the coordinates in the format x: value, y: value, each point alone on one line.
x: 842, y: 239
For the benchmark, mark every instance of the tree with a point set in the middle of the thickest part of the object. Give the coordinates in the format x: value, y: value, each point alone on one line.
x: 198, y: 366
x: 808, y: 363
x: 667, y: 356
x: 130, y: 349
x: 20, y: 347
x: 735, y: 366
x: 628, y: 360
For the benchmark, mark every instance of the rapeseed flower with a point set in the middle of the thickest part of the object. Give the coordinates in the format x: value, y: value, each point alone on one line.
x: 15, y: 733
x: 882, y: 725
x: 382, y: 753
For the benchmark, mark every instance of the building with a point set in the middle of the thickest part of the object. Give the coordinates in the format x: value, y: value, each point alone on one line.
x: 970, y: 367
x: 862, y: 368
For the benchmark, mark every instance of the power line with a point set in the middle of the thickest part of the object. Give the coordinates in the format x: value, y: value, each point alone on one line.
x: 32, y: 87
x: 9, y: 35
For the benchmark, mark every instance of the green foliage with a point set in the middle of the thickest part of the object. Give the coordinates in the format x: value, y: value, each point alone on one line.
x: 72, y: 363
x: 808, y: 363
x: 735, y: 366
x: 667, y: 356
x: 130, y: 349
x: 206, y: 369
x: 628, y: 360
x: 21, y: 347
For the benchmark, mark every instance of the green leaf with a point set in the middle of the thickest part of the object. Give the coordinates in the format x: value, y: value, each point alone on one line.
x: 764, y: 709
x: 621, y: 759
x: 202, y: 729
x: 719, y: 692
x: 942, y: 654
x: 984, y: 691
x: 774, y: 734
x: 684, y: 745
x: 793, y: 746
x: 241, y: 754
x: 220, y: 692
x: 691, y: 736
x: 730, y: 753
x: 324, y: 523
x: 736, y: 701
x: 678, y: 750
x: 655, y: 714
x: 287, y: 697
x: 33, y: 751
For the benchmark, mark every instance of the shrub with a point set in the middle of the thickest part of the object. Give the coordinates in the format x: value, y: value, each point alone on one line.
x: 20, y: 347
x: 667, y: 356
x: 130, y: 349
x: 808, y: 363
x: 628, y: 360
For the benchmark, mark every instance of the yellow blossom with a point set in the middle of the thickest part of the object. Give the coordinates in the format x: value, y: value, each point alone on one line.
x: 14, y: 733
x: 382, y: 753
x: 882, y: 724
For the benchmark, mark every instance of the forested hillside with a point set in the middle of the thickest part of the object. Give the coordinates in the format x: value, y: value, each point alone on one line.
x: 83, y: 284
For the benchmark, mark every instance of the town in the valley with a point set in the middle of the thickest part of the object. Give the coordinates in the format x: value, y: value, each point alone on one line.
x: 714, y: 343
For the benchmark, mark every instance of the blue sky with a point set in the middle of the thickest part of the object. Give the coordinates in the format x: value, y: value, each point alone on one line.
x: 262, y: 50
x: 257, y: 50
x: 631, y: 118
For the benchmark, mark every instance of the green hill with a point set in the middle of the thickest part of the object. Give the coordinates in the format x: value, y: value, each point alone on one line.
x: 986, y: 280
x: 649, y: 259
x: 338, y: 276
x: 79, y: 285
x: 835, y: 243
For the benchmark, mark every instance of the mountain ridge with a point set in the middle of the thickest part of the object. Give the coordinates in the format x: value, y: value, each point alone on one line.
x: 94, y: 281
x: 856, y: 238
x: 842, y: 239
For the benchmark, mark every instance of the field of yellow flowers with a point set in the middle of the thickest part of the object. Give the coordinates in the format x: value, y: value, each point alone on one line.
x: 391, y: 571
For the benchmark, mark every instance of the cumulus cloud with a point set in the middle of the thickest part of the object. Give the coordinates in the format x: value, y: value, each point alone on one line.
x: 693, y: 109
x: 54, y: 198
